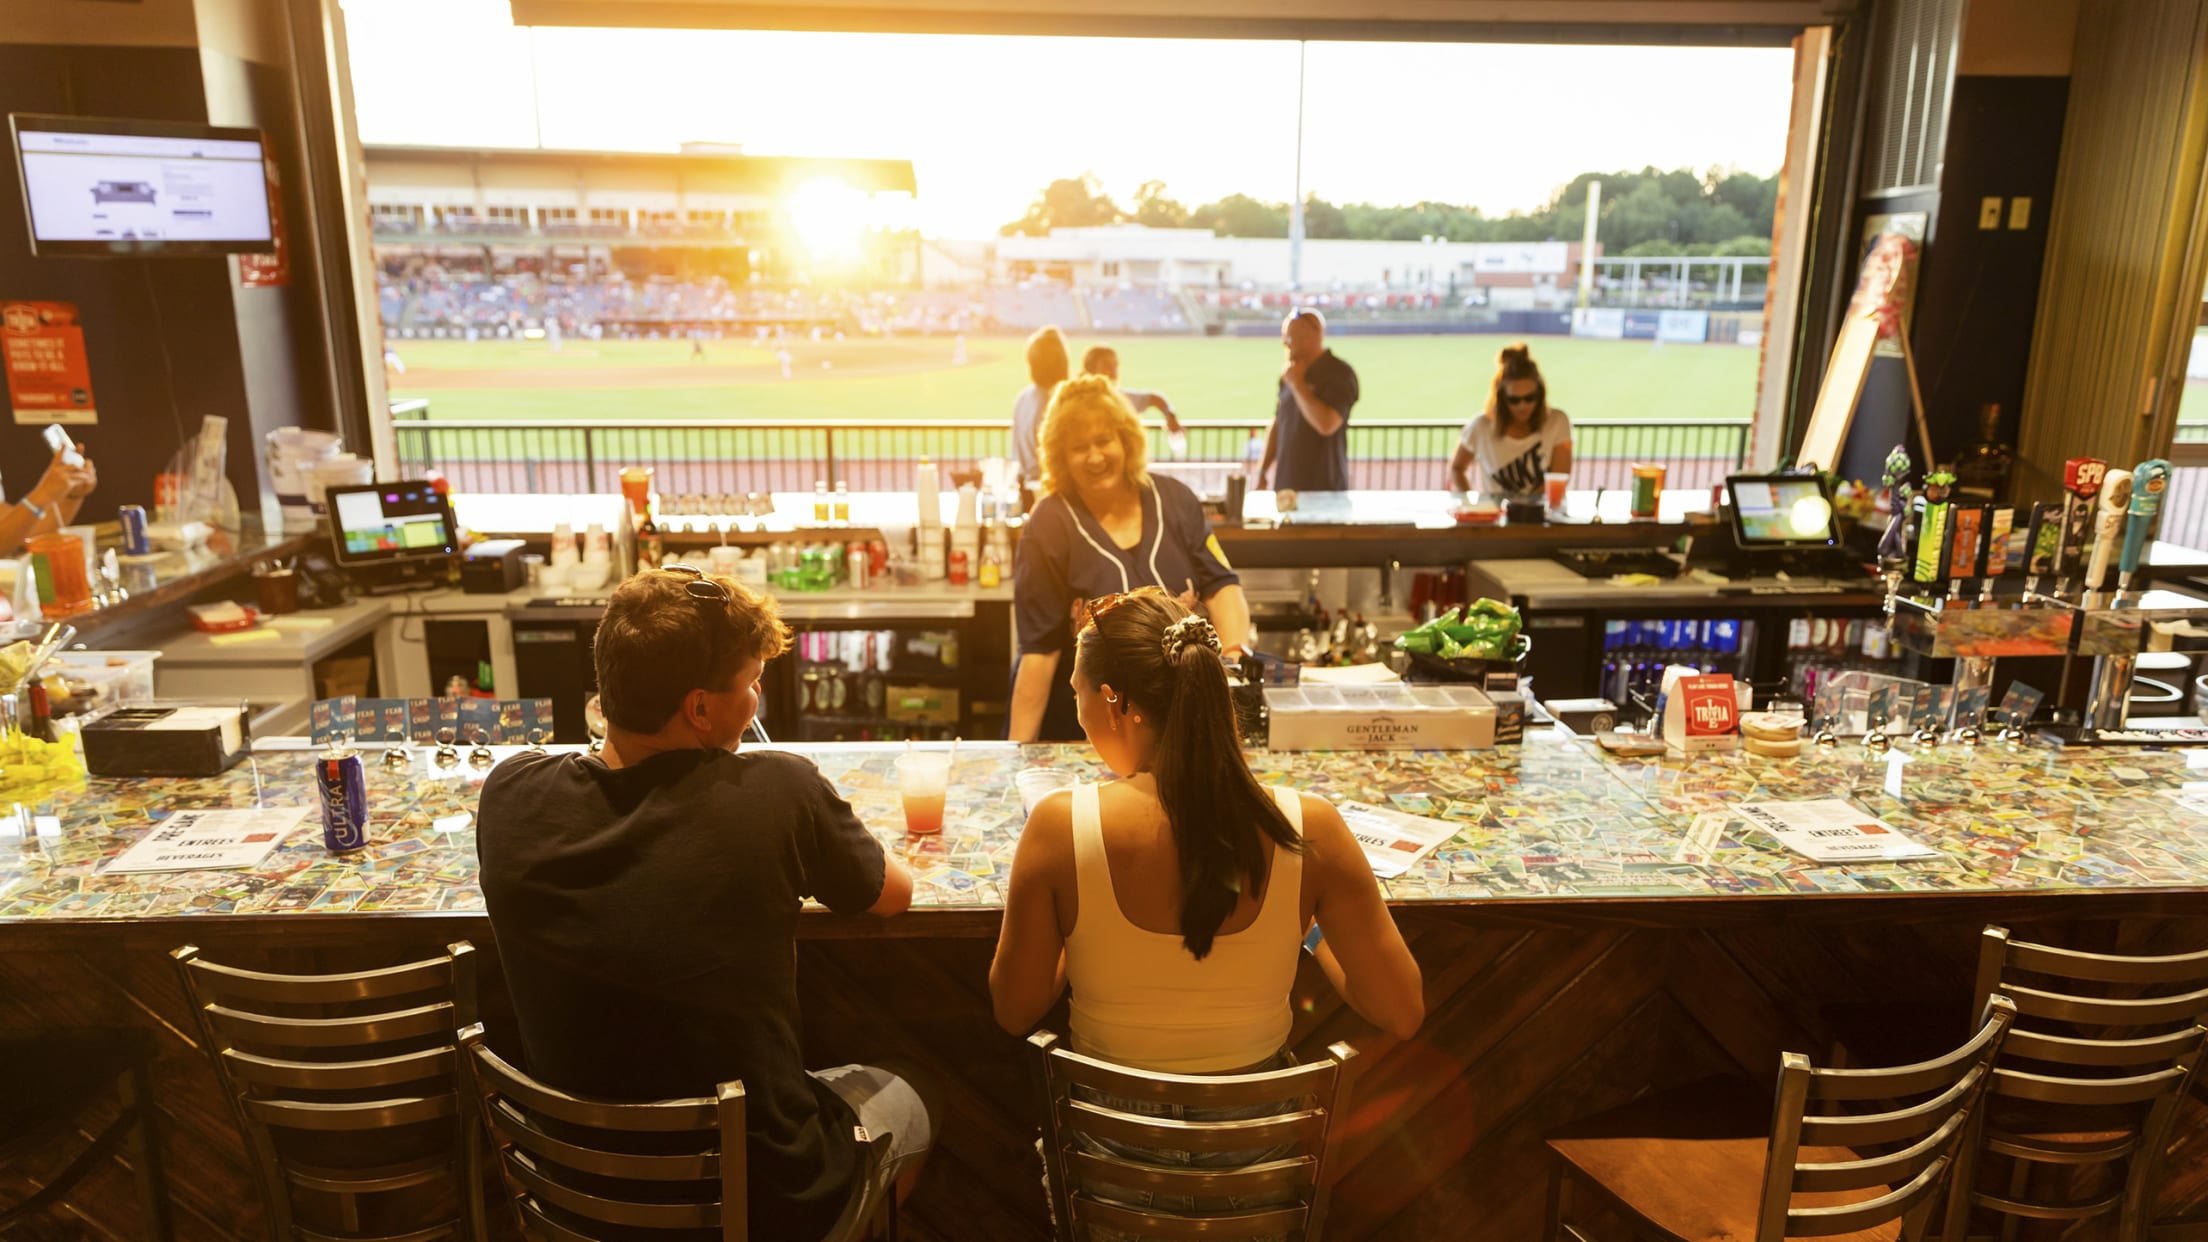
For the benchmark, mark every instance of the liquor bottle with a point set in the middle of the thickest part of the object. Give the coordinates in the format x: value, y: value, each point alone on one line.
x: 1983, y: 468
x: 651, y: 546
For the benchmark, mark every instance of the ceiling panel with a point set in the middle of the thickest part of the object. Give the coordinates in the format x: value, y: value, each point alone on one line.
x: 1768, y: 23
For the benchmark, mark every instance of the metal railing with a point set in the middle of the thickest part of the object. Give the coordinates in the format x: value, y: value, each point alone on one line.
x: 719, y: 457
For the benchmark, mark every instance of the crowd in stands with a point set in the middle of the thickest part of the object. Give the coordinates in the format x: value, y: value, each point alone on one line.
x: 419, y: 298
x: 437, y: 300
x: 1136, y: 310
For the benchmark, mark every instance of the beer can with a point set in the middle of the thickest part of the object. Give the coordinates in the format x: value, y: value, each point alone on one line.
x: 343, y: 784
x: 858, y: 567
x: 132, y: 518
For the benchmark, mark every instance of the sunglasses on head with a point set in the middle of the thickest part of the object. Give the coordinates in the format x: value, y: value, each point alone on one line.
x: 699, y: 586
x: 1086, y: 611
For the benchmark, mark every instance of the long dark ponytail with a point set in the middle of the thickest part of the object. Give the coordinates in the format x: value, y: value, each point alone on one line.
x: 1161, y: 659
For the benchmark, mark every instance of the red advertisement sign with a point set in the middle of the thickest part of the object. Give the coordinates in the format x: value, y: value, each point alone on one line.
x: 1702, y: 713
x: 266, y: 271
x: 42, y: 349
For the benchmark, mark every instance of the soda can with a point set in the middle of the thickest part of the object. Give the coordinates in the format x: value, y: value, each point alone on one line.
x: 858, y: 567
x: 343, y: 784
x: 132, y: 518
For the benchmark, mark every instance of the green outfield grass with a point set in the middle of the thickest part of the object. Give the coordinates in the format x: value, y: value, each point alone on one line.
x: 1438, y: 378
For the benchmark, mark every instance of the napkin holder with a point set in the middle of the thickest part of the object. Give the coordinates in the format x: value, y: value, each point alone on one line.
x: 168, y: 739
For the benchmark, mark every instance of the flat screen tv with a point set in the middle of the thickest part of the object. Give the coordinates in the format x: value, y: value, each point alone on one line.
x: 94, y: 186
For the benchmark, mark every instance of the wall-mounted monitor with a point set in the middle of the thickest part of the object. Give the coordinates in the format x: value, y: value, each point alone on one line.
x: 100, y: 187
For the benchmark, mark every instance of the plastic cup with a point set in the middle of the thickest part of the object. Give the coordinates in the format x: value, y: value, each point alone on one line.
x: 1648, y: 485
x: 1557, y: 483
x: 922, y: 777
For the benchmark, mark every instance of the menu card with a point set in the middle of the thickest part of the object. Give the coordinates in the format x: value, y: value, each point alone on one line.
x: 210, y: 840
x: 1394, y: 842
x: 1832, y: 830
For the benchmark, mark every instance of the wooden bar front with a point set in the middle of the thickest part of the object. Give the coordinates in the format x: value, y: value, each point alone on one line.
x: 1577, y: 952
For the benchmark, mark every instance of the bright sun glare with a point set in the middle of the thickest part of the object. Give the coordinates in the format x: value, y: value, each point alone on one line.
x: 829, y: 217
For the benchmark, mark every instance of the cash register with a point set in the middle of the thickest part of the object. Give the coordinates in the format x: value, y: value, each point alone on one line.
x: 1781, y: 524
x: 393, y: 536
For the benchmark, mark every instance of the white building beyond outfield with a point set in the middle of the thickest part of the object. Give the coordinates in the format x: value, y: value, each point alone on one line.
x: 1199, y: 258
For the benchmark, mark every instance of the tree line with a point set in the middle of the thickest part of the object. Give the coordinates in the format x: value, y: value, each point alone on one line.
x: 1721, y: 211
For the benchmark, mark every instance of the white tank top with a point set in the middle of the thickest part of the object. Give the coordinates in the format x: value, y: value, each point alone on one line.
x: 1140, y: 998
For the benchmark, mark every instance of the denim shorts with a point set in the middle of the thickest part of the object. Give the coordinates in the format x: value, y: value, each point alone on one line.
x: 1165, y: 1157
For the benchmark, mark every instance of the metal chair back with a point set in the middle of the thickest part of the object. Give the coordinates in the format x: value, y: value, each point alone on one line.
x: 1081, y: 1169
x: 2104, y: 1044
x: 584, y: 1170
x: 1906, y: 1125
x: 346, y: 1084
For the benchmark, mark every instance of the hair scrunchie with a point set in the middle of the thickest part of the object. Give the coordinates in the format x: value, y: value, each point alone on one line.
x: 1189, y: 629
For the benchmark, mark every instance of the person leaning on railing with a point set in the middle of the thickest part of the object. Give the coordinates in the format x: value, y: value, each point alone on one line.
x: 50, y: 504
x: 1519, y: 439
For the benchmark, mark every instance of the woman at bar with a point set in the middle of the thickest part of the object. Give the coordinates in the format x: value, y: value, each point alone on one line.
x: 1519, y: 439
x: 1048, y: 365
x: 1174, y: 899
x: 50, y: 505
x: 1104, y: 526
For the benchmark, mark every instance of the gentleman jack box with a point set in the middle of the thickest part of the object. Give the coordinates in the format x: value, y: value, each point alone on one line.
x: 1702, y: 713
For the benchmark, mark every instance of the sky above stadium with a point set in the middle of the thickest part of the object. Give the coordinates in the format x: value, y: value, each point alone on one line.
x: 988, y: 121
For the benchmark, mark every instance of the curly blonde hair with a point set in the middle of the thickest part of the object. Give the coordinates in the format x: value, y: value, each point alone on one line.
x: 1072, y: 405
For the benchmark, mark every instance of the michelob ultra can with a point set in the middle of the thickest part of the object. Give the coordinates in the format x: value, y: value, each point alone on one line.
x: 344, y: 788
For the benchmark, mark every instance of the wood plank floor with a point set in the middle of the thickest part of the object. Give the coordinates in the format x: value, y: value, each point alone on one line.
x: 1527, y: 1028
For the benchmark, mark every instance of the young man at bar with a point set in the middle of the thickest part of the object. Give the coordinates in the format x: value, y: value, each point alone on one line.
x: 645, y: 903
x: 1310, y: 431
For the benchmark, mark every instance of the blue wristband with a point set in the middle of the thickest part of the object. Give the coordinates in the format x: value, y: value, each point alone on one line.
x: 1311, y: 940
x: 37, y: 512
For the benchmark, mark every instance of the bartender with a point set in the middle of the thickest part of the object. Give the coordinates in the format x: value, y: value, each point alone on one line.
x: 1104, y: 526
x: 1519, y: 439
x: 51, y: 503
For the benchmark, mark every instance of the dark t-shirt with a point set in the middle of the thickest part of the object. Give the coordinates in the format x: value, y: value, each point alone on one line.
x: 1065, y: 554
x: 1304, y: 460
x: 646, y: 922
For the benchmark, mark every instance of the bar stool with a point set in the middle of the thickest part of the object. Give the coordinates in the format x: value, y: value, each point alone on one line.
x: 583, y: 1170
x: 1704, y: 1163
x: 347, y: 1085
x: 50, y: 1082
x: 2091, y: 1078
x: 1089, y: 1187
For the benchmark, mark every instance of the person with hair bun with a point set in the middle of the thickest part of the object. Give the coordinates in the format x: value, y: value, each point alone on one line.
x: 1519, y: 439
x: 1104, y: 526
x: 1173, y: 900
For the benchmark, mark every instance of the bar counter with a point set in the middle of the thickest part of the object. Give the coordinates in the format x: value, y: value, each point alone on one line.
x: 1571, y: 961
x: 1551, y: 828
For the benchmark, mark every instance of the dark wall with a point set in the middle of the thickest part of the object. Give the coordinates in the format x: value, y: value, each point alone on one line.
x: 1976, y: 306
x: 1977, y: 289
x: 161, y: 334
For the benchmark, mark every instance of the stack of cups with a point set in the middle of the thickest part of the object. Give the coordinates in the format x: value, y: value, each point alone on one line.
x: 561, y: 570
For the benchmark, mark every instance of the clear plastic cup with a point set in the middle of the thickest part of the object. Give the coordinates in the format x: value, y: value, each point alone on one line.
x: 923, y: 777
x: 1558, y: 482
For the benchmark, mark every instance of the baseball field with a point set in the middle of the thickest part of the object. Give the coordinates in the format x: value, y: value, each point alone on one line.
x: 1221, y: 379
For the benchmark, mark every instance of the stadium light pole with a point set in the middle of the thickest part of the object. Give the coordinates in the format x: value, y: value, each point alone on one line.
x: 1295, y: 205
x: 1587, y: 242
x: 536, y: 95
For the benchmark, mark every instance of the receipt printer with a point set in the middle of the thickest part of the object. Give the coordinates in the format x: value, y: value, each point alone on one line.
x: 492, y: 567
